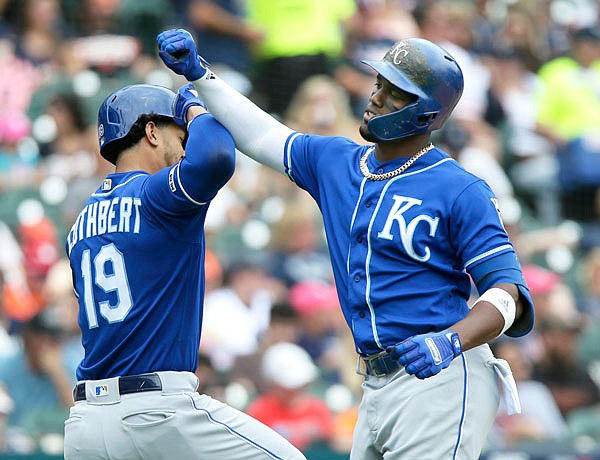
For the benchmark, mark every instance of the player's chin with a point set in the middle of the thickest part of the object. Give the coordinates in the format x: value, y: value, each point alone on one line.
x: 365, y: 133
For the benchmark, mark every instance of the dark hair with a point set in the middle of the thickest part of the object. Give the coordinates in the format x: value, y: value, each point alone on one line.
x: 283, y: 311
x: 112, y: 150
x: 72, y: 104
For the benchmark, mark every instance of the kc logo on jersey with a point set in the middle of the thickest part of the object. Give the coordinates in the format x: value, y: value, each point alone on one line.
x: 407, y: 229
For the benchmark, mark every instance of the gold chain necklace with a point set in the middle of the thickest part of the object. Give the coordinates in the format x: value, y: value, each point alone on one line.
x: 369, y: 175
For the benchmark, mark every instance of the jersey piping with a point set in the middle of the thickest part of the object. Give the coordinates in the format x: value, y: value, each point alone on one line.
x: 118, y: 186
x: 488, y: 253
x: 187, y: 195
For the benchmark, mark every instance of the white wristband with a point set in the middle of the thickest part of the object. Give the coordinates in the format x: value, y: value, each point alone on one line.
x: 505, y: 304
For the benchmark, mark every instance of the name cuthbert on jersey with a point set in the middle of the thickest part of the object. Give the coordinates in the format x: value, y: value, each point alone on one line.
x: 119, y: 214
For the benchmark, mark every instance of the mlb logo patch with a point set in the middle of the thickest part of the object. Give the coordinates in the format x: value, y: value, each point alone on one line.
x: 102, y: 390
x: 107, y: 184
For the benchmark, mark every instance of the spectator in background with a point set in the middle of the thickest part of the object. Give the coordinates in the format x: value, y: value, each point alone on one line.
x: 321, y: 106
x: 298, y: 251
x: 62, y: 305
x: 40, y: 31
x: 7, y: 26
x: 568, y: 114
x: 71, y: 154
x: 301, y: 38
x: 321, y: 321
x: 588, y: 278
x: 449, y: 24
x: 19, y: 162
x: 16, y: 299
x: 471, y: 133
x: 287, y: 406
x: 540, y: 419
x: 373, y: 28
x: 530, y: 157
x: 283, y: 327
x: 553, y: 299
x: 223, y: 29
x: 522, y: 31
x: 19, y: 79
x: 39, y: 378
x: 237, y: 314
x: 38, y: 238
x: 559, y: 368
x: 105, y: 44
x: 6, y: 407
x: 144, y: 19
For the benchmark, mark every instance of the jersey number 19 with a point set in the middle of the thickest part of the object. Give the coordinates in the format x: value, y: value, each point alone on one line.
x: 94, y: 273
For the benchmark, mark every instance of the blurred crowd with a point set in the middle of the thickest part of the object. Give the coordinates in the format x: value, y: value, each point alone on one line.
x: 274, y: 341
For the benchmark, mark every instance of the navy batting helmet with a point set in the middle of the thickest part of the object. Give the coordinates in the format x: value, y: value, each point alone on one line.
x: 428, y: 72
x: 121, y: 110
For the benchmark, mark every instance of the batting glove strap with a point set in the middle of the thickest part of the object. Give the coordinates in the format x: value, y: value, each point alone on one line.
x: 425, y: 355
x: 177, y: 49
x: 187, y: 97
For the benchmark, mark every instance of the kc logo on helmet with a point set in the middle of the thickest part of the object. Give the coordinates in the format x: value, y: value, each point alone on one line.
x: 398, y: 53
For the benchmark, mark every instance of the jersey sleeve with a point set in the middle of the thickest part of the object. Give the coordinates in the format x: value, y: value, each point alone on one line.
x: 476, y: 226
x: 208, y: 164
x: 486, y: 250
x: 305, y: 154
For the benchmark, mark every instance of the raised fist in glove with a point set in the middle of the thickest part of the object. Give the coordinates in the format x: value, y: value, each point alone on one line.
x: 177, y: 49
x: 187, y: 97
x: 425, y: 355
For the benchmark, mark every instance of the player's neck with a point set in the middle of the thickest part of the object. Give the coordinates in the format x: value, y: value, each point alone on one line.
x: 403, y: 148
x: 134, y: 160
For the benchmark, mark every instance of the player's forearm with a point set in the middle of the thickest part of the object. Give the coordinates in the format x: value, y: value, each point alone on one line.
x: 484, y: 322
x: 209, y: 159
x: 256, y: 133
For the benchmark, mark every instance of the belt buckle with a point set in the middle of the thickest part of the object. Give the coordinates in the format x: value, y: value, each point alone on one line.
x: 368, y: 360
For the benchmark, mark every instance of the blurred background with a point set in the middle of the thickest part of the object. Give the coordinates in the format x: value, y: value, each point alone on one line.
x: 274, y: 342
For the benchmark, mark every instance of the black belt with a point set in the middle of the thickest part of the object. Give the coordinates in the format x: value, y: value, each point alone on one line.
x: 127, y: 384
x: 380, y: 364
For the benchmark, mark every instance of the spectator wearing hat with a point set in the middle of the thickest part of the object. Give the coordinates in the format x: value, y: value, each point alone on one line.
x: 319, y: 313
x: 287, y: 406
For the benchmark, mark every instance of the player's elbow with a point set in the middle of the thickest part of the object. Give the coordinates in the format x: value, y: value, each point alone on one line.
x: 221, y: 165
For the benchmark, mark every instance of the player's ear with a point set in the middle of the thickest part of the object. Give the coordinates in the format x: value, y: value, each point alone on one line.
x: 152, y: 135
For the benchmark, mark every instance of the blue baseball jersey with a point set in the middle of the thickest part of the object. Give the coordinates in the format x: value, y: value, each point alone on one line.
x: 137, y: 255
x: 401, y: 248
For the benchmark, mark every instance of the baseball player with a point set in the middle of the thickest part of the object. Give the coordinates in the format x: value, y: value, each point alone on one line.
x: 406, y: 225
x: 137, y: 255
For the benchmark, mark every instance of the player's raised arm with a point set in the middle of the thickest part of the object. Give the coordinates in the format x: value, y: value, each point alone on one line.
x: 209, y: 159
x: 256, y: 133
